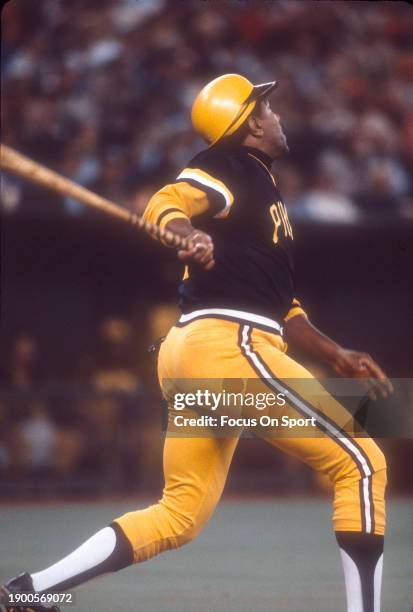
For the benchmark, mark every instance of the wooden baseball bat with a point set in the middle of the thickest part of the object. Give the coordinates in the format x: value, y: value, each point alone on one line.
x: 16, y: 163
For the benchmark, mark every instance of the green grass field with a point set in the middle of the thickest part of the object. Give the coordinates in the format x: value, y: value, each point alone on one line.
x: 253, y: 556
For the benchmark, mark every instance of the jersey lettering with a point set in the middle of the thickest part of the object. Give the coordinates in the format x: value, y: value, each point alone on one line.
x: 279, y: 215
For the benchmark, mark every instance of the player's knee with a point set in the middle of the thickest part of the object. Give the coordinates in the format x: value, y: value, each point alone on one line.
x: 380, y: 470
x: 189, y: 533
x: 185, y: 521
x: 187, y: 526
x: 349, y: 467
x: 376, y: 459
x: 380, y: 463
x: 184, y: 525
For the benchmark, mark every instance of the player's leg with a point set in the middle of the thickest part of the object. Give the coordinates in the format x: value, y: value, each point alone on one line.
x: 195, y: 470
x: 356, y: 467
x: 358, y: 516
x: 195, y: 474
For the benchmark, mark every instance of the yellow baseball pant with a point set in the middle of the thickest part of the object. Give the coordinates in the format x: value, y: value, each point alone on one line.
x: 196, y: 468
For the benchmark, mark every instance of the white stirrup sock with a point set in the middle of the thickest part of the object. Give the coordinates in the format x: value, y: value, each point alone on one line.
x: 106, y: 551
x: 362, y: 558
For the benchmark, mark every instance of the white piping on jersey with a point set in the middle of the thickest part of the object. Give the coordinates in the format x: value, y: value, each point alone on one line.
x: 209, y: 182
x: 239, y: 315
x: 265, y: 168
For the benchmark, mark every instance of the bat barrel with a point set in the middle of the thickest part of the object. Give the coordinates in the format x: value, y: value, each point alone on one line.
x: 18, y: 164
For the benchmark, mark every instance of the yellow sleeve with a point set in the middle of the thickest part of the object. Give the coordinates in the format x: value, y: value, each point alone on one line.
x: 295, y: 309
x: 178, y: 201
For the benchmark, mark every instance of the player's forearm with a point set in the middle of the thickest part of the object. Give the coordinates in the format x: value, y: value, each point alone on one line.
x: 202, y: 250
x: 304, y: 336
x: 182, y: 227
x: 344, y: 362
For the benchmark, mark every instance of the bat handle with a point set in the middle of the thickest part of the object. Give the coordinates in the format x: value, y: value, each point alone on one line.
x: 167, y: 237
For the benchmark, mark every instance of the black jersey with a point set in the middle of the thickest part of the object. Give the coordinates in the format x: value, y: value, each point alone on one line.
x: 252, y: 235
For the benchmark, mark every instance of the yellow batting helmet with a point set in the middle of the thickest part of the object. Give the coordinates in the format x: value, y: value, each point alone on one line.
x: 223, y: 105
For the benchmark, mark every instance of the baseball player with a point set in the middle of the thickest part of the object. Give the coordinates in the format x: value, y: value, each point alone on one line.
x: 237, y: 297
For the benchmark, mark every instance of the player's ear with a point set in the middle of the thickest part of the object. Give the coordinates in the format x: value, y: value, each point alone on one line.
x: 255, y: 126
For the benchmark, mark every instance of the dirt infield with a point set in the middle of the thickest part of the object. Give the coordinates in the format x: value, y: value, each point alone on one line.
x: 261, y: 556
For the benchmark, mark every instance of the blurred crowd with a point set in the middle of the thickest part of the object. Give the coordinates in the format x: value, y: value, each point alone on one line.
x: 96, y: 422
x: 101, y: 91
